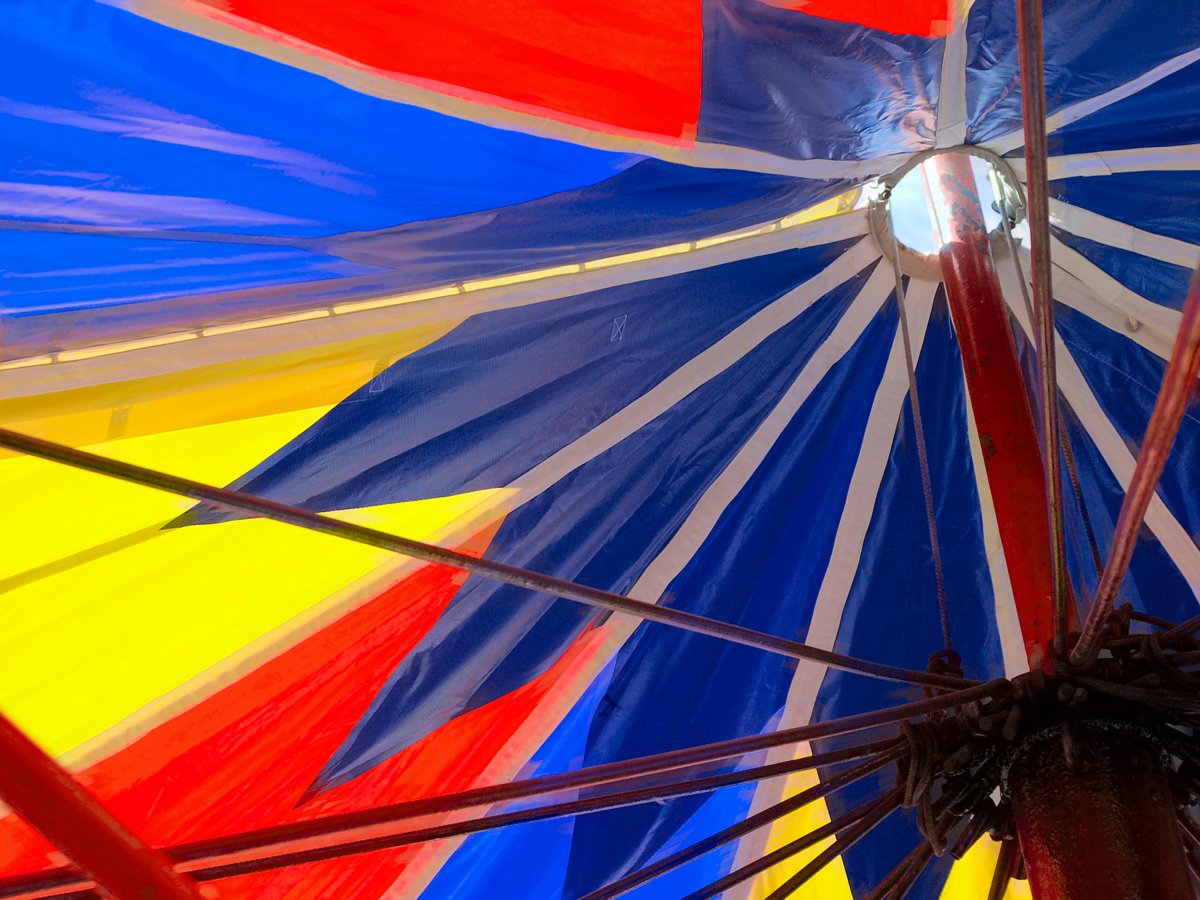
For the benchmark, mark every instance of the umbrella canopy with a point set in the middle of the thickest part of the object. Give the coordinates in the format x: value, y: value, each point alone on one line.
x: 589, y: 289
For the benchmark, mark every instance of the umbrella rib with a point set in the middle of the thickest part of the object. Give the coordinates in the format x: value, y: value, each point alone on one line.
x: 241, y: 502
x: 914, y: 401
x: 883, y: 808
x: 1103, y: 434
x: 790, y: 849
x: 900, y: 879
x: 228, y: 857
x: 314, y: 830
x: 767, y: 816
x: 603, y: 803
x: 1179, y: 381
x: 1033, y: 110
x: 1006, y: 861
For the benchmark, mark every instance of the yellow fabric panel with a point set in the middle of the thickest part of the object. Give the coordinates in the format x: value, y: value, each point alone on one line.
x: 103, y: 611
x: 52, y: 513
x: 831, y: 882
x: 93, y: 644
x: 971, y: 875
x: 223, y: 392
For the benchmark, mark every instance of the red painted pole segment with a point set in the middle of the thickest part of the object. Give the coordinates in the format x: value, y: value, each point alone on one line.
x: 1095, y: 817
x: 998, y: 401
x: 46, y: 796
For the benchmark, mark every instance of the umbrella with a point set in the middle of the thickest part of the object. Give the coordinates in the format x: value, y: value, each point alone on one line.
x: 592, y: 291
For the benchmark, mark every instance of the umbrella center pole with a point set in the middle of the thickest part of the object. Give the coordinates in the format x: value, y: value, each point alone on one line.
x: 1085, y: 784
x: 1095, y: 816
x: 999, y: 403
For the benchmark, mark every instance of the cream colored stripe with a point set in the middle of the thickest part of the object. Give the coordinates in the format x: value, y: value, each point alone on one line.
x: 1182, y: 158
x: 496, y: 112
x: 370, y: 318
x: 1113, y: 233
x: 700, y: 369
x: 1079, y: 110
x: 952, y: 96
x: 1084, y: 286
x: 671, y: 561
x: 856, y: 516
x: 1121, y: 462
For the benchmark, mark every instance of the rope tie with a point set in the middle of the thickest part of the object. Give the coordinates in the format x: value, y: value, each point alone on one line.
x: 918, y: 776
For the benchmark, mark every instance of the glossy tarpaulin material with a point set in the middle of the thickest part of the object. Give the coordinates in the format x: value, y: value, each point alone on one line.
x: 585, y: 288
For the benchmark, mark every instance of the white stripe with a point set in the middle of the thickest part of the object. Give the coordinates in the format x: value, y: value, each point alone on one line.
x: 1121, y: 462
x: 728, y: 156
x: 857, y: 511
x: 721, y: 492
x: 1084, y: 286
x: 1113, y: 233
x: 495, y: 112
x: 683, y: 381
x: 1181, y: 158
x: 952, y: 96
x: 445, y: 306
x: 1077, y: 111
x: 682, y: 547
x: 697, y: 371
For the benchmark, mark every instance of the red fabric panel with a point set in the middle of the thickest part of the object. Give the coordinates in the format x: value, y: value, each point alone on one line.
x: 930, y: 18
x: 451, y: 759
x: 623, y: 66
x: 244, y: 757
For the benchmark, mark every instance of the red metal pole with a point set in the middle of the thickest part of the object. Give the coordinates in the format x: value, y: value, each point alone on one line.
x: 1093, y: 812
x: 50, y: 800
x: 998, y: 400
x: 1095, y: 817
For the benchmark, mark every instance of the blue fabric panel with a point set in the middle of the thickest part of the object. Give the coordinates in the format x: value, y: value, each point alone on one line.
x: 1157, y: 281
x: 506, y: 390
x: 54, y: 272
x: 113, y: 119
x: 1125, y: 379
x: 600, y: 526
x: 718, y: 811
x: 1166, y: 203
x: 651, y: 204
x: 1154, y: 584
x: 530, y: 860
x: 760, y: 567
x: 1165, y: 114
x: 891, y: 614
x: 1090, y: 48
x: 805, y: 87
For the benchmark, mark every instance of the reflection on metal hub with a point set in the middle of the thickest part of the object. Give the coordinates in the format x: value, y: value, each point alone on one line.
x: 907, y: 213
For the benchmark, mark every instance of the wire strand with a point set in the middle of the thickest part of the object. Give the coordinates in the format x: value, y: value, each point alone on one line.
x: 919, y: 431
